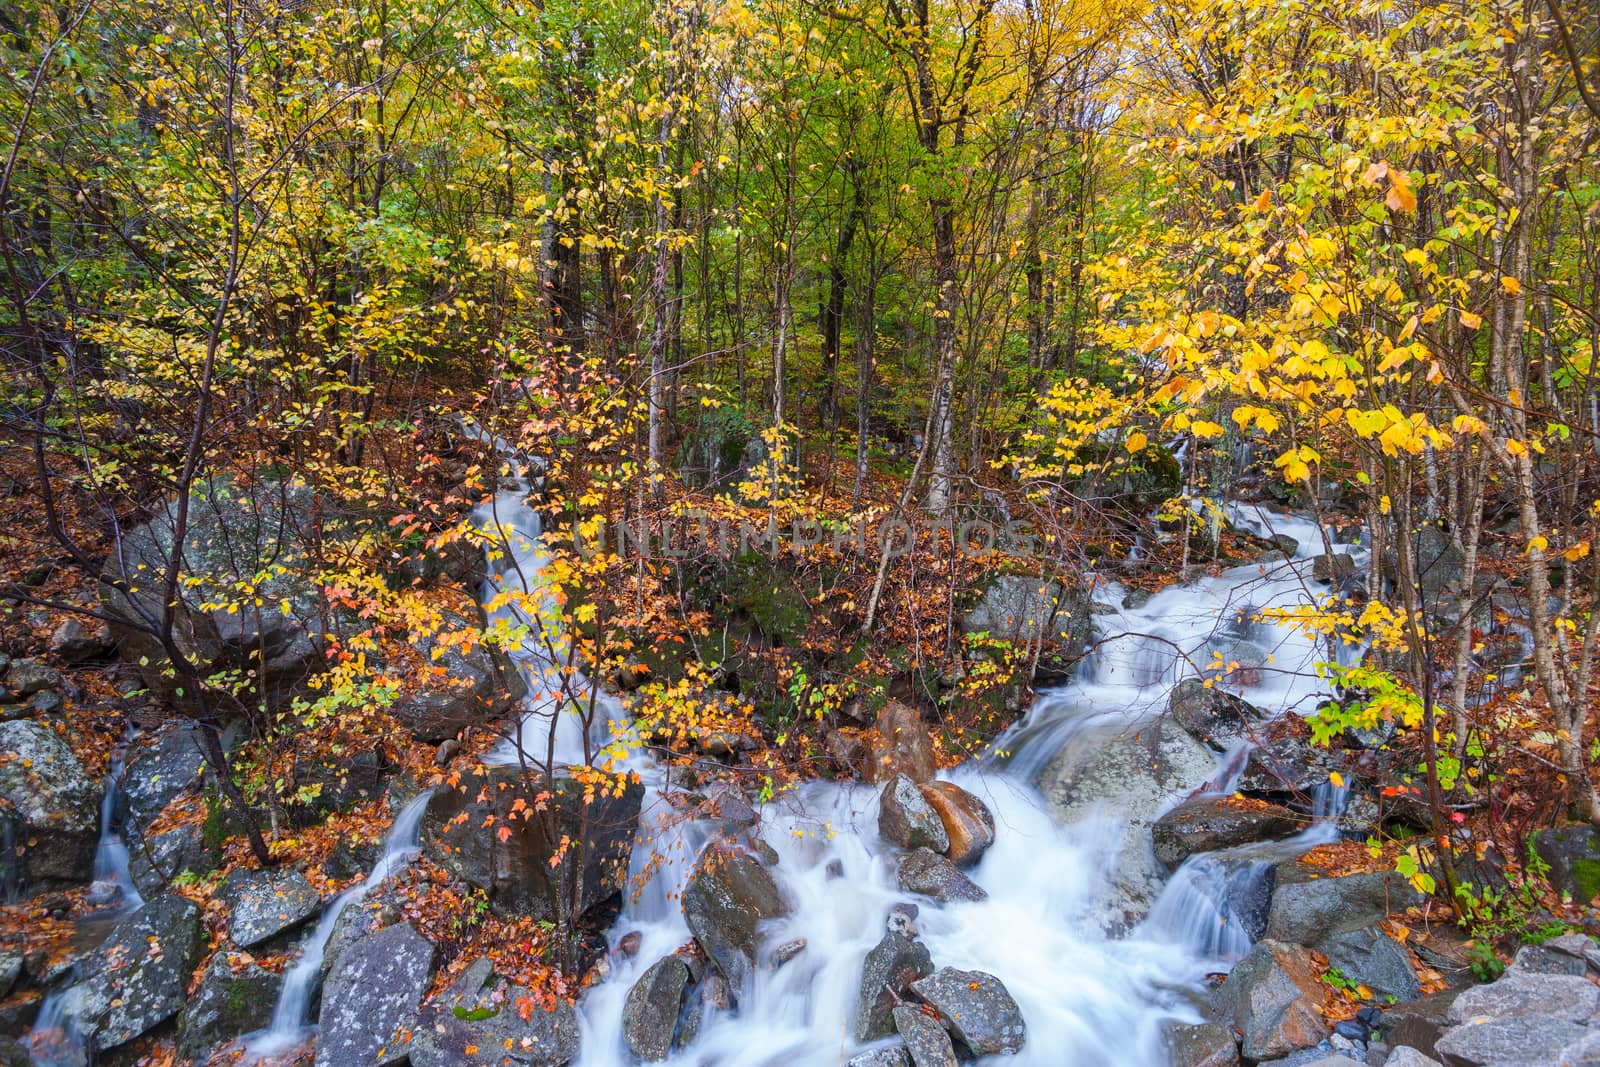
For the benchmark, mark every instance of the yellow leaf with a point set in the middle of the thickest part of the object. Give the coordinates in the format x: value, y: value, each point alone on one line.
x: 1337, y: 779
x: 1471, y: 321
x: 1538, y: 544
x: 1203, y: 428
x: 1136, y: 441
x: 1400, y: 197
x: 1510, y: 284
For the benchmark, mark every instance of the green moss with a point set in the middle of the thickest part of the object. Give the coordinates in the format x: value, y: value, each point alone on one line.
x: 1586, y: 879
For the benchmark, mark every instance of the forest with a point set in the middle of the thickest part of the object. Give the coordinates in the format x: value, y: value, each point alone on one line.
x: 887, y: 533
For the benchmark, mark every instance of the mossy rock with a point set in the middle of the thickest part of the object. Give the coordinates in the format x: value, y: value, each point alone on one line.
x: 1573, y: 855
x: 1133, y: 481
x: 769, y: 597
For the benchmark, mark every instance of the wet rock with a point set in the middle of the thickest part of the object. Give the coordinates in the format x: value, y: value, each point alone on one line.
x: 727, y: 804
x: 886, y: 976
x: 1275, y: 1000
x: 1368, y: 956
x: 1573, y: 854
x: 898, y: 743
x: 139, y: 976
x: 468, y: 688
x: 14, y: 1054
x: 968, y: 822
x: 79, y: 641
x: 264, y: 904
x: 1132, y: 774
x: 1212, y: 824
x: 1028, y: 610
x: 926, y: 1041
x: 1530, y: 1040
x: 516, y: 872
x: 896, y: 1055
x: 728, y: 897
x: 162, y: 767
x: 650, y: 1013
x: 976, y: 1008
x: 930, y: 874
x: 159, y: 858
x: 26, y: 677
x: 1200, y: 1045
x: 1304, y: 909
x: 511, y: 1025
x: 235, y: 535
x: 373, y: 993
x: 51, y: 806
x: 907, y: 820
x: 1420, y: 1023
x: 1331, y: 567
x: 1515, y: 994
x: 337, y: 784
x: 236, y: 996
x: 1213, y: 715
x: 1574, y: 954
x: 787, y: 951
x: 630, y: 943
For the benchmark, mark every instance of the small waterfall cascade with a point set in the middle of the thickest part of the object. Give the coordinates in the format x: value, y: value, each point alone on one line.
x: 113, y: 884
x: 291, y: 1014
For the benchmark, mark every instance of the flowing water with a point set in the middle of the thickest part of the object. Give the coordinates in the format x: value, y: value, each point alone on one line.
x: 291, y: 1015
x: 1087, y: 997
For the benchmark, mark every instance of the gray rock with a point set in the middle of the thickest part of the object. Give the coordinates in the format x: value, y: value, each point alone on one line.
x: 1275, y: 1000
x: 78, y: 641
x: 1134, y: 775
x: 787, y: 951
x: 51, y: 805
x: 1213, y: 824
x: 1420, y: 1023
x: 1370, y: 957
x: 1213, y: 715
x: 1568, y: 954
x: 650, y: 1013
x: 264, y: 904
x: 1515, y: 994
x: 728, y: 897
x: 373, y: 993
x: 1573, y: 854
x: 1331, y: 567
x: 886, y: 976
x: 25, y: 677
x: 931, y: 875
x: 479, y: 1010
x: 1304, y: 909
x: 906, y: 819
x: 235, y: 997
x: 1022, y: 609
x: 1406, y: 1056
x: 896, y: 1055
x: 162, y: 767
x: 926, y: 1041
x: 1524, y: 1040
x: 516, y: 873
x: 1200, y: 1045
x: 977, y: 1009
x: 156, y: 860
x: 140, y: 974
x: 476, y: 687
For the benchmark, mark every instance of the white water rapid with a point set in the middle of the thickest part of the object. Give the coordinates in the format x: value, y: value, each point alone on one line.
x: 1087, y: 997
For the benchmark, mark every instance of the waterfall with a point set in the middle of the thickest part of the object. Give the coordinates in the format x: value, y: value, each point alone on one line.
x: 112, y: 881
x: 291, y: 1015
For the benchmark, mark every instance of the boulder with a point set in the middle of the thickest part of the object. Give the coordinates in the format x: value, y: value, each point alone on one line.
x: 161, y: 767
x: 372, y: 996
x: 513, y: 1026
x: 516, y: 872
x: 1573, y: 855
x: 236, y: 996
x: 968, y: 822
x: 332, y: 784
x: 236, y: 536
x: 51, y: 808
x: 1406, y: 1056
x: 1368, y: 956
x: 1131, y: 776
x: 886, y: 976
x: 1530, y: 1040
x: 907, y: 820
x: 897, y: 743
x: 264, y: 904
x: 1200, y: 1045
x: 1213, y: 715
x: 1275, y: 1000
x: 926, y: 1041
x: 896, y: 1055
x: 29, y: 677
x: 1420, y: 1023
x: 137, y: 979
x: 1574, y: 954
x: 1304, y: 909
x: 159, y: 858
x: 976, y: 1008
x: 1026, y: 610
x: 1333, y: 566
x: 1212, y: 824
x: 650, y: 1013
x: 1516, y: 994
x: 930, y: 874
x: 463, y: 689
x: 79, y: 641
x: 729, y: 895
